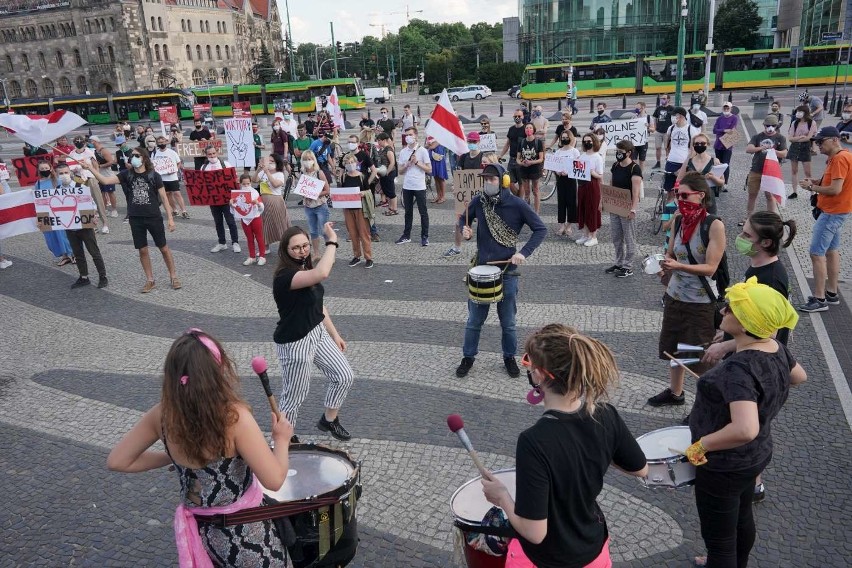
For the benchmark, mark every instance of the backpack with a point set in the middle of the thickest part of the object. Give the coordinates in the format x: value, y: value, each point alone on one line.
x: 722, y: 276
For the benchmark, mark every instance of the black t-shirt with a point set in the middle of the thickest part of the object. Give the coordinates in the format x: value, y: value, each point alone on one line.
x: 202, y: 134
x: 748, y: 375
x: 309, y: 126
x: 364, y: 161
x: 299, y: 310
x: 387, y: 125
x: 366, y: 123
x: 529, y: 149
x: 515, y: 135
x: 663, y: 117
x: 355, y: 181
x: 468, y: 162
x: 141, y: 191
x: 561, y: 462
x: 622, y: 176
x: 561, y: 128
x: 775, y: 276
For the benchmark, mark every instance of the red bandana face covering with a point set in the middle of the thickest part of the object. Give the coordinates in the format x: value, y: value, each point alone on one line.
x: 693, y: 214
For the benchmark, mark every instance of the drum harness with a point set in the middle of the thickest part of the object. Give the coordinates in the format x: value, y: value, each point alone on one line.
x: 498, y: 228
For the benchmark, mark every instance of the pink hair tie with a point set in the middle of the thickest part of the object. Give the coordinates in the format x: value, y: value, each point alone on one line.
x: 183, y: 379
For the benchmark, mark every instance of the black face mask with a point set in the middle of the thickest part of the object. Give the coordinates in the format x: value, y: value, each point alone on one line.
x: 600, y: 111
x: 79, y: 145
x: 161, y: 146
x: 518, y: 119
x: 699, y: 148
x: 198, y: 127
x: 620, y: 156
x: 44, y: 173
x: 563, y: 142
x: 588, y: 145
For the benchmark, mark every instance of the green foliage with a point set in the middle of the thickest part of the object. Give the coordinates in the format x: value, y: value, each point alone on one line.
x: 500, y: 76
x: 737, y: 23
x: 263, y: 70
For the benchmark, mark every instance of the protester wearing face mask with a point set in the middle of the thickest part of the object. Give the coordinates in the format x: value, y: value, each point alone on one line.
x: 310, y: 123
x: 56, y: 240
x: 697, y: 117
x: 175, y: 136
x: 677, y: 143
x: 500, y: 217
x: 386, y: 124
x: 76, y: 157
x: 438, y: 159
x: 700, y: 160
x: 640, y: 153
x: 530, y: 159
x: 316, y: 210
x: 770, y: 138
x: 662, y: 121
x: 221, y: 213
x: 566, y: 187
x: 727, y: 122
x: 259, y: 146
x: 199, y: 133
x: 472, y: 160
x: 845, y: 127
x: 540, y: 123
x: 356, y: 218
x: 626, y: 174
x: 168, y: 164
x: 802, y: 129
x: 366, y: 123
x: 271, y: 179
x: 513, y: 143
x: 414, y: 164
x: 279, y: 140
x: 288, y: 124
x: 775, y: 110
x: 561, y: 128
x: 589, y: 193
x: 601, y: 117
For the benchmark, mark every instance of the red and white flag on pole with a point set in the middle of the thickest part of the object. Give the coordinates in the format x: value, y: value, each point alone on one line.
x: 334, y: 111
x: 444, y: 126
x: 772, y: 181
x: 39, y: 129
x: 17, y: 214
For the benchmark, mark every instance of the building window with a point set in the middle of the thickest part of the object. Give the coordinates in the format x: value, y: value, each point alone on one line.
x: 227, y: 52
x: 209, y: 53
x: 106, y: 88
x: 188, y: 53
x: 207, y: 26
x: 26, y: 61
x: 77, y: 61
x: 41, y: 62
x: 47, y: 87
x: 198, y: 52
x: 60, y: 61
x: 32, y: 88
x: 65, y: 86
x: 15, y: 90
x: 111, y: 54
x: 166, y: 52
x: 218, y: 27
x: 224, y: 28
x: 201, y: 26
x: 88, y: 27
x: 157, y: 52
x: 188, y: 26
x: 153, y: 24
x: 197, y: 78
x: 101, y: 57
x: 9, y: 66
x: 112, y: 23
x: 212, y: 76
x: 226, y: 75
x: 218, y: 52
x: 81, y: 85
x: 160, y: 23
x: 73, y: 29
x: 183, y: 25
x: 164, y: 79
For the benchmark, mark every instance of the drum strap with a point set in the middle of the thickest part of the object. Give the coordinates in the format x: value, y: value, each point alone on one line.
x: 324, y: 531
x: 255, y: 514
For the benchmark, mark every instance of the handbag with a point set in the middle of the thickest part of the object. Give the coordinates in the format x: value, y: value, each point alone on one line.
x: 816, y: 211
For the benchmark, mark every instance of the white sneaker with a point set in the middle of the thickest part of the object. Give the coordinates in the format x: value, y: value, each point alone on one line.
x: 114, y: 213
x: 248, y: 262
x: 237, y: 247
x: 219, y: 248
x: 581, y: 239
x: 590, y: 242
x: 261, y: 261
x: 105, y: 230
x: 5, y: 264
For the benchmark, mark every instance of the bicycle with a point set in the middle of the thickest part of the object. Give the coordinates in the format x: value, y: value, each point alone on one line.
x: 660, y: 203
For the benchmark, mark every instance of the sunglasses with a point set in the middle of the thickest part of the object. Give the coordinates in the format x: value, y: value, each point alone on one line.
x: 135, y: 155
x: 525, y: 362
x: 684, y: 195
x: 297, y: 248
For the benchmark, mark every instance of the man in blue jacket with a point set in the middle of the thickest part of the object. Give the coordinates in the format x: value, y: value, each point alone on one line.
x: 501, y: 217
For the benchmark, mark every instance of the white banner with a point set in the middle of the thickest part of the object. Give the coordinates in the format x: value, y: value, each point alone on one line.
x: 633, y: 129
x: 61, y: 208
x: 557, y: 163
x: 580, y: 169
x: 240, y: 142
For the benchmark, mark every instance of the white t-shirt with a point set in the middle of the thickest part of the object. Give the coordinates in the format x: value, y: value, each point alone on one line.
x: 570, y: 153
x: 595, y: 161
x: 700, y: 115
x: 75, y: 157
x: 277, y: 176
x: 220, y: 165
x: 415, y: 178
x: 408, y: 120
x: 290, y: 127
x: 679, y: 140
x: 166, y: 163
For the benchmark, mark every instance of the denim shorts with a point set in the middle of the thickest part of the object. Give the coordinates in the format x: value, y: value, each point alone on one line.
x: 826, y: 233
x: 317, y: 217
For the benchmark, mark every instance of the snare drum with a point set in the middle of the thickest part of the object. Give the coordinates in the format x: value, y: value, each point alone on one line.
x: 485, y: 284
x: 666, y: 468
x: 328, y: 534
x: 651, y: 264
x: 469, y: 506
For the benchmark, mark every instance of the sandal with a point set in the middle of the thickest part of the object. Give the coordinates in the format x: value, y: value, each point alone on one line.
x: 64, y: 261
x: 439, y: 201
x: 176, y: 285
x: 390, y: 212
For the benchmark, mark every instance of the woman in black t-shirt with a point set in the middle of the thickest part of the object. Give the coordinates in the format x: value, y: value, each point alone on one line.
x: 735, y: 403
x: 305, y: 333
x: 562, y: 459
x: 530, y: 159
x: 626, y: 174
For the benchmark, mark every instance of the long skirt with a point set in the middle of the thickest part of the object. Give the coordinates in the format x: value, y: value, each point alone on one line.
x: 276, y: 220
x: 589, y: 205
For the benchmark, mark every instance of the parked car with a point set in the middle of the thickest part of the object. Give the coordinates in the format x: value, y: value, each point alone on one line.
x: 466, y: 93
x: 514, y: 92
x: 379, y: 95
x: 452, y: 92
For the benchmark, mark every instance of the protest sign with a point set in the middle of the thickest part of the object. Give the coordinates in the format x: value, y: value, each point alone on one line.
x: 308, y: 186
x: 633, y: 129
x: 164, y: 165
x: 26, y: 168
x: 346, y: 197
x: 616, y: 200
x: 197, y: 148
x: 557, y: 163
x: 488, y: 143
x: 244, y: 209
x: 581, y: 169
x: 168, y: 116
x: 202, y: 112
x: 466, y: 185
x: 730, y: 138
x: 282, y: 105
x: 64, y: 208
x: 210, y: 187
x: 4, y: 172
x: 240, y: 142
x: 241, y: 109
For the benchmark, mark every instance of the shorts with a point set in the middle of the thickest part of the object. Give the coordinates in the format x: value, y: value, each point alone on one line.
x: 799, y: 152
x: 671, y: 175
x: 659, y: 137
x: 141, y: 226
x: 514, y: 171
x: 685, y: 322
x: 826, y: 233
x: 640, y: 153
x: 530, y: 173
x: 388, y: 186
x: 753, y: 183
x: 108, y: 188
x: 172, y: 185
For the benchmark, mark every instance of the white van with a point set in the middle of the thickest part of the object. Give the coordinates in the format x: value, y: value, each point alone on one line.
x: 379, y: 95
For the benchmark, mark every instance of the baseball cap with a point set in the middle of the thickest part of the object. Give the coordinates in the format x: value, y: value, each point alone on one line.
x: 680, y: 110
x: 94, y: 138
x: 473, y: 136
x: 827, y: 132
x: 770, y: 120
x: 728, y: 104
x: 493, y: 170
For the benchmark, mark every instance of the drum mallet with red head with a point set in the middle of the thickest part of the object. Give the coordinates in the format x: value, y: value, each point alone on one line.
x: 456, y: 424
x: 258, y: 364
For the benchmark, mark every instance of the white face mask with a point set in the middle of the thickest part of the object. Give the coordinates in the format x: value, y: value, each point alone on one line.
x: 846, y: 115
x: 287, y: 117
x: 491, y: 189
x: 769, y: 129
x: 65, y: 179
x: 353, y: 146
x: 351, y: 167
x: 409, y: 139
x: 136, y: 162
x: 800, y: 115
x: 726, y: 112
x: 276, y: 127
x: 307, y: 164
x: 384, y: 115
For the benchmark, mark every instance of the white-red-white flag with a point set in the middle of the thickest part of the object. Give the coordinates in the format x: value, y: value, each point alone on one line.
x: 334, y: 111
x: 38, y: 129
x: 444, y: 126
x: 17, y: 214
x: 772, y: 181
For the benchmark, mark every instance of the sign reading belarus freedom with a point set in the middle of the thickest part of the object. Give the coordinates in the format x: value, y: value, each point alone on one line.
x: 61, y: 208
x: 633, y: 129
x: 206, y: 187
x: 444, y: 126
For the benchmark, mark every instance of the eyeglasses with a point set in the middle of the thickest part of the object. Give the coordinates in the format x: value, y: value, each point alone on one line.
x: 684, y: 195
x: 483, y: 124
x: 297, y: 248
x: 135, y: 155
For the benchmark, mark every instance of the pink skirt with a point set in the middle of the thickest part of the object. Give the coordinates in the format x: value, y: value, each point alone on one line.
x: 517, y: 559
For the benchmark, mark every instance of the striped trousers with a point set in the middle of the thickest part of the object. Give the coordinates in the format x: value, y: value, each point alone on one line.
x: 317, y: 347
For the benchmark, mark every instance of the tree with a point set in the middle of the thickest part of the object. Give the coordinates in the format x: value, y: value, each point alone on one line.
x: 500, y: 76
x: 264, y: 71
x: 737, y: 24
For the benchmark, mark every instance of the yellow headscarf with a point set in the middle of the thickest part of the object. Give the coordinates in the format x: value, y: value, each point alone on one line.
x: 760, y: 308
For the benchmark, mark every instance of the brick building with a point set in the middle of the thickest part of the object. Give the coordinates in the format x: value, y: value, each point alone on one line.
x: 57, y: 47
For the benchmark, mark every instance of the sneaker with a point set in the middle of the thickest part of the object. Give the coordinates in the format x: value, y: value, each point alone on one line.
x: 667, y: 398
x: 113, y: 213
x: 5, y: 264
x: 268, y: 251
x: 656, y: 166
x: 348, y: 240
x: 581, y: 239
x: 248, y: 262
x: 219, y: 248
x: 104, y: 230
x: 355, y: 261
x: 81, y: 281
x: 452, y: 251
x: 511, y: 367
x: 375, y: 238
x: 126, y: 219
x: 464, y: 367
x: 369, y: 264
x: 102, y: 282
x: 261, y: 260
x: 612, y: 269
x: 814, y: 305
x: 623, y: 272
x: 334, y: 428
x: 403, y: 240
x: 832, y: 299
x: 590, y: 242
x: 149, y: 285
x: 424, y: 241
x: 237, y: 247
x: 759, y: 493
x: 294, y: 439
x: 185, y: 214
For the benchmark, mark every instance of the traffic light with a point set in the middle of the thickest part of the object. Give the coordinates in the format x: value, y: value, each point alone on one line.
x: 357, y: 45
x: 421, y: 77
x: 339, y: 47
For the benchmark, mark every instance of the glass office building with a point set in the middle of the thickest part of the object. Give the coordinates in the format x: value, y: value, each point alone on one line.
x: 553, y: 31
x: 820, y: 16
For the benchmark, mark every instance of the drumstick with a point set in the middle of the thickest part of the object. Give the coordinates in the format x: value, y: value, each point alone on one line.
x: 676, y: 360
x: 258, y: 365
x: 499, y: 261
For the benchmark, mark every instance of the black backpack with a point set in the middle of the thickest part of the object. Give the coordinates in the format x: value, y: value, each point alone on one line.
x: 722, y: 276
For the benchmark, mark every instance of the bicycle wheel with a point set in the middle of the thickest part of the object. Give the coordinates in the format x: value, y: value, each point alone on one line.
x: 657, y: 214
x: 548, y: 186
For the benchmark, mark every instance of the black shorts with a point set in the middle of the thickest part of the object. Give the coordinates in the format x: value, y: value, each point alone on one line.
x: 172, y: 185
x: 141, y: 226
x: 530, y: 173
x: 640, y: 153
x: 514, y: 171
x: 388, y: 186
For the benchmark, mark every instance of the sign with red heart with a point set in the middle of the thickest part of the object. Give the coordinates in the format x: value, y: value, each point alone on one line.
x: 61, y: 208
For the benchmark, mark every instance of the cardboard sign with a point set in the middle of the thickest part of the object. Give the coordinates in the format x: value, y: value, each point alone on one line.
x: 243, y: 208
x: 240, y: 142
x: 466, y: 185
x: 633, y: 129
x: 197, y: 148
x: 205, y: 187
x: 616, y: 200
x: 202, y: 112
x: 730, y: 138
x: 241, y: 109
x: 26, y: 168
x: 581, y: 169
x: 4, y: 172
x: 557, y: 163
x: 488, y: 143
x: 309, y: 186
x: 59, y: 209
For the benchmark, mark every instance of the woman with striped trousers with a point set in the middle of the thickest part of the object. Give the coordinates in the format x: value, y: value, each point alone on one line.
x: 305, y: 333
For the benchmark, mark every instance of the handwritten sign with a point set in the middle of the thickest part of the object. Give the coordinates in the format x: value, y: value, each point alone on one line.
x: 466, y: 185
x: 634, y: 130
x: 581, y: 169
x: 164, y: 164
x: 26, y: 168
x: 64, y: 208
x: 244, y: 209
x: 557, y: 163
x: 309, y: 186
x: 730, y: 138
x: 206, y: 187
x: 197, y: 148
x: 240, y: 142
x: 488, y: 143
x: 4, y: 172
x: 616, y: 200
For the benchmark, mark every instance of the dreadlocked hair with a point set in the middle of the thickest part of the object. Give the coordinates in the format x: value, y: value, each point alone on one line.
x: 582, y: 366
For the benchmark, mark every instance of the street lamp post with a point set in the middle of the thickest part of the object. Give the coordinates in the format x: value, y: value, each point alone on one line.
x: 709, y: 48
x: 333, y: 59
x: 681, y: 47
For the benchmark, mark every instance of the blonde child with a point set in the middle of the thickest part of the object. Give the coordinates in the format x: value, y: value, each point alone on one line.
x: 248, y: 210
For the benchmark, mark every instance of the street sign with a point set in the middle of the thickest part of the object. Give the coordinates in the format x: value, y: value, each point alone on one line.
x: 832, y: 36
x: 796, y: 52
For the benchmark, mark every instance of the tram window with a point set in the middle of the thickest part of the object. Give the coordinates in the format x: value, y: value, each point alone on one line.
x: 348, y: 90
x: 255, y: 99
x: 220, y: 100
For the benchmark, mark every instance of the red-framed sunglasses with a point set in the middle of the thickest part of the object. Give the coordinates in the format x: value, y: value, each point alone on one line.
x: 527, y: 364
x: 684, y: 195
